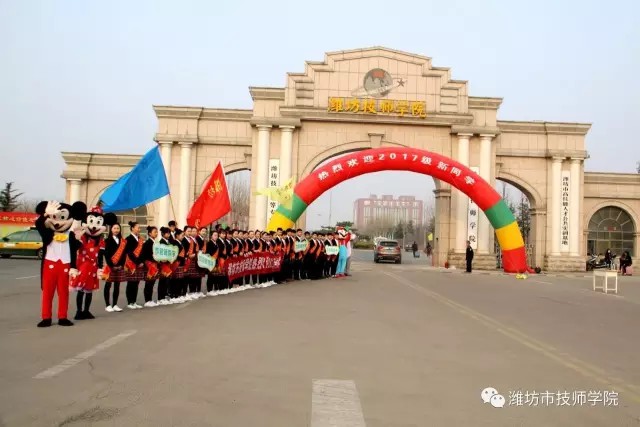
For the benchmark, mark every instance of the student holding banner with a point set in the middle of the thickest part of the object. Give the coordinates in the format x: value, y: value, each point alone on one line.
x: 203, y: 242
x: 299, y: 247
x: 151, y: 266
x: 165, y: 269
x: 332, y: 258
x: 214, y: 277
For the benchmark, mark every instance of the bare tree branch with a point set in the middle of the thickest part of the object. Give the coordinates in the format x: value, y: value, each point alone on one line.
x: 239, y: 194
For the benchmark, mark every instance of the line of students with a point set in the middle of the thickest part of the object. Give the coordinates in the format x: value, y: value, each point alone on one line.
x: 131, y: 260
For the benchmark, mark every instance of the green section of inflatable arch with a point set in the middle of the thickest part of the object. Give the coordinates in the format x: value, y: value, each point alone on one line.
x: 500, y: 215
x: 297, y: 209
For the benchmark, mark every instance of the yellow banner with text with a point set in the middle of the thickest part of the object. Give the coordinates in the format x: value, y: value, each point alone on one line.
x: 381, y: 106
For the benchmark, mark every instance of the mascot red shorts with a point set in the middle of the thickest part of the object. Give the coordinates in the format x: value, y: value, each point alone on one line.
x: 55, y: 276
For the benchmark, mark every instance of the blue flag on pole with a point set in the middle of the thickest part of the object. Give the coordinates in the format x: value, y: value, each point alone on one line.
x: 145, y: 183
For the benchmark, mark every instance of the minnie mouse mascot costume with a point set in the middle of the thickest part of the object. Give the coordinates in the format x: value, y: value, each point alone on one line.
x: 89, y: 261
x: 344, y: 236
x: 60, y: 247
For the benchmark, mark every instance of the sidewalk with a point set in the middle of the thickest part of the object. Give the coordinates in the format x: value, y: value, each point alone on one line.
x: 578, y: 274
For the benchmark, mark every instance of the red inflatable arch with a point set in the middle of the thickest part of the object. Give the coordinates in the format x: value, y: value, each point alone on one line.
x: 443, y: 168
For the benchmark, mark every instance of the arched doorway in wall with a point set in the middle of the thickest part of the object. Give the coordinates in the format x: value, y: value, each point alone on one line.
x: 524, y: 201
x: 139, y: 215
x: 611, y: 227
x: 416, y: 160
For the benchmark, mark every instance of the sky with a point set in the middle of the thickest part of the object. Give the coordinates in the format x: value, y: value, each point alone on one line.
x: 83, y: 75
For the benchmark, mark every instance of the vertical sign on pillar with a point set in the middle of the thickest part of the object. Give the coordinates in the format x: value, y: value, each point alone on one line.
x: 473, y: 218
x: 274, y: 181
x: 564, y: 211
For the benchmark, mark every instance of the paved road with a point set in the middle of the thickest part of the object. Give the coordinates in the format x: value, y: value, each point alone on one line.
x: 393, y: 345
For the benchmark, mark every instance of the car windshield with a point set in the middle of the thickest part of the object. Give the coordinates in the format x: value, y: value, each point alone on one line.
x: 388, y: 243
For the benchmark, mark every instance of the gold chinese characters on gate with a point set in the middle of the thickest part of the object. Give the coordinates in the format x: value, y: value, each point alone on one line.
x: 381, y: 106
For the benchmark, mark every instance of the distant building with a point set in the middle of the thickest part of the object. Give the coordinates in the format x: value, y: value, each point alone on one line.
x: 372, y: 209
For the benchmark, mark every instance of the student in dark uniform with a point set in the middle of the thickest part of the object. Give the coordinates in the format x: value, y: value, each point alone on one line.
x: 213, y: 277
x: 165, y: 269
x: 134, y: 266
x: 223, y: 254
x: 290, y: 255
x: 260, y: 246
x: 189, y: 258
x: 313, y: 258
x: 113, y: 272
x: 297, y: 256
x: 229, y: 249
x: 172, y: 228
x: 202, y: 241
x: 177, y: 276
x: 151, y: 265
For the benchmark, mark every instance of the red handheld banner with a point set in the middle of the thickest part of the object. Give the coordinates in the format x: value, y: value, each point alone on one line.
x: 255, y: 263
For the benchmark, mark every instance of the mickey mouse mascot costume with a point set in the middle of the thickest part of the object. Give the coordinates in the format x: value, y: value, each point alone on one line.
x: 344, y: 236
x: 60, y: 248
x: 91, y: 241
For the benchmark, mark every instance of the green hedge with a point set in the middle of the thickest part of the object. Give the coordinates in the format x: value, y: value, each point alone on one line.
x: 363, y: 245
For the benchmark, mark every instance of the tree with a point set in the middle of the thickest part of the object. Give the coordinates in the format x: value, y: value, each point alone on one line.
x: 399, y: 230
x: 410, y: 228
x: 523, y: 217
x: 8, y: 198
x: 27, y: 205
x: 638, y: 167
x: 239, y: 195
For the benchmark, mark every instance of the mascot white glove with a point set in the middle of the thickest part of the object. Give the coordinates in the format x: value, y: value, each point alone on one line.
x: 99, y: 273
x: 52, y: 208
x: 73, y: 273
x: 78, y: 232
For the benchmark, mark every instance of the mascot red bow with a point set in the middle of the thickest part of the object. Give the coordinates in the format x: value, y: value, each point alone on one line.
x: 60, y: 247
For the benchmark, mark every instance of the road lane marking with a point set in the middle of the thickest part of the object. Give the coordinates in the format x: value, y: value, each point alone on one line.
x: 542, y: 281
x: 562, y: 358
x: 69, y: 363
x: 27, y: 277
x: 335, y: 403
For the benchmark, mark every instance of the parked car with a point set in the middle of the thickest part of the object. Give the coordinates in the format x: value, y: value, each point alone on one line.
x: 408, y: 248
x: 387, y: 250
x: 24, y: 243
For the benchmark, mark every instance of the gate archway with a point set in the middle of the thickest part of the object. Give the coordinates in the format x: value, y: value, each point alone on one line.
x: 415, y: 160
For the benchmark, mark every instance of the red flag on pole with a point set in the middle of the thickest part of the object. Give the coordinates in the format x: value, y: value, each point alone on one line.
x: 213, y: 203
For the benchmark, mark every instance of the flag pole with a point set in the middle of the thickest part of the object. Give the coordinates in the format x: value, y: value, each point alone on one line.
x: 172, y: 208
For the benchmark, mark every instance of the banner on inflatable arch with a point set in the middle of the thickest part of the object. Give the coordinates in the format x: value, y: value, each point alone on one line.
x: 420, y: 161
